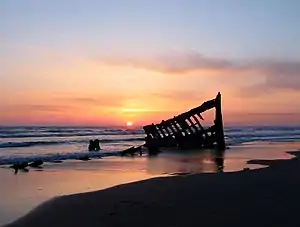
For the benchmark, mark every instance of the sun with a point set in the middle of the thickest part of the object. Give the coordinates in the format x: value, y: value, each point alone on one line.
x: 129, y: 123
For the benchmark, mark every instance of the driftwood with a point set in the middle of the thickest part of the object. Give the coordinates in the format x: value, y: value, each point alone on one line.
x: 132, y: 151
x: 185, y: 130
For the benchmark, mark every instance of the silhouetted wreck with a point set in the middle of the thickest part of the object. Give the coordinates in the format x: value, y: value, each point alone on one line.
x: 185, y: 130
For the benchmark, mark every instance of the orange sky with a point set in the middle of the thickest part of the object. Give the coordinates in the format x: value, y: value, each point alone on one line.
x: 53, y: 87
x: 108, y: 62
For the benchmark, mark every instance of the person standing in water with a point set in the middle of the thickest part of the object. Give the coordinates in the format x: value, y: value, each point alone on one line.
x: 94, y: 145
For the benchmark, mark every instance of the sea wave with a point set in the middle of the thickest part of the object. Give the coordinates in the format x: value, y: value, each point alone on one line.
x: 47, y: 143
x: 55, y: 157
x: 13, y: 141
x: 236, y: 140
x: 66, y: 134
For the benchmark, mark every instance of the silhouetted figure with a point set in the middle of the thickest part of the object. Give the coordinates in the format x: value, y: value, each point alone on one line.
x: 94, y: 145
x: 91, y: 145
x: 97, y: 144
x: 20, y: 166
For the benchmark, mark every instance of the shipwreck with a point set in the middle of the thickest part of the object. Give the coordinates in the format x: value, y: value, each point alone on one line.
x: 185, y: 130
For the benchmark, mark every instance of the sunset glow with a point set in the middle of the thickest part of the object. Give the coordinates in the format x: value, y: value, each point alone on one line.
x: 88, y: 70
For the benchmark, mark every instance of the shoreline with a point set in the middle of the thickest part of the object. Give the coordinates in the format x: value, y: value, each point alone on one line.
x: 260, y: 197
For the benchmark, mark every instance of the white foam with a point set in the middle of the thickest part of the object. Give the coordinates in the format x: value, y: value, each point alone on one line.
x: 56, y: 157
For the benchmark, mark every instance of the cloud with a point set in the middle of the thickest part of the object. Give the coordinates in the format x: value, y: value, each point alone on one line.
x: 278, y: 76
x: 175, y: 62
x: 282, y: 74
x: 270, y: 74
x: 34, y: 108
x: 260, y: 118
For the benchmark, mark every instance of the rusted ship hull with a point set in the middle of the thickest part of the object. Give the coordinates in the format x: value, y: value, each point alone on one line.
x: 185, y: 130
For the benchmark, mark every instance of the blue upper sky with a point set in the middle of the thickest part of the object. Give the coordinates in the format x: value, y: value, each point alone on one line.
x: 246, y: 29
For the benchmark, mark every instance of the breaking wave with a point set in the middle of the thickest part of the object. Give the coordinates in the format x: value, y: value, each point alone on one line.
x: 61, y: 143
x: 47, y: 143
x: 56, y: 157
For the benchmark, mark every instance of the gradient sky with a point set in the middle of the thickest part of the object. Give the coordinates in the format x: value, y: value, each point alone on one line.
x: 68, y: 62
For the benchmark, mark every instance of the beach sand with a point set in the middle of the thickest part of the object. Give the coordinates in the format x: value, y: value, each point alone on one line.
x: 261, y: 197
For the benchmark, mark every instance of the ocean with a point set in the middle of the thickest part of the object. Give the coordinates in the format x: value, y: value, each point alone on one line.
x: 19, y: 193
x: 63, y: 143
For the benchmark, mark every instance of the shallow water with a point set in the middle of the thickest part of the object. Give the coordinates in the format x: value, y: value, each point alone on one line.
x: 24, y: 191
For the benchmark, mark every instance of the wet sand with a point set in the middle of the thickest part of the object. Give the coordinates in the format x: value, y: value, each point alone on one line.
x: 261, y: 197
x: 24, y: 191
